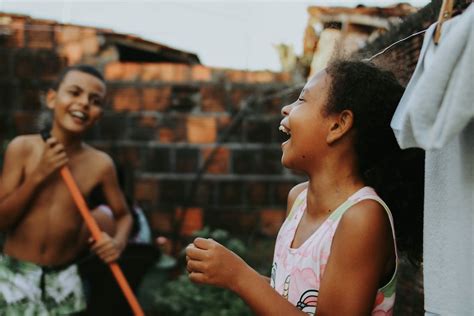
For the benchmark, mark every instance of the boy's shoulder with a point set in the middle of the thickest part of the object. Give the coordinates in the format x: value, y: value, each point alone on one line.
x: 24, y: 143
x: 99, y: 157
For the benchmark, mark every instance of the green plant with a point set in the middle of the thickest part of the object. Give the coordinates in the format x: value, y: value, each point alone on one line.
x: 182, y: 297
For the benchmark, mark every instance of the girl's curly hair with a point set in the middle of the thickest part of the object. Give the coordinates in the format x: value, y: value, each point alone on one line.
x: 372, y: 94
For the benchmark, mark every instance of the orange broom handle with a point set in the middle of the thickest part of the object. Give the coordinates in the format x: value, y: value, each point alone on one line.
x: 97, y: 235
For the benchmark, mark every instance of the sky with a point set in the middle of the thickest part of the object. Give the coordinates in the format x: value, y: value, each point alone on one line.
x: 229, y: 34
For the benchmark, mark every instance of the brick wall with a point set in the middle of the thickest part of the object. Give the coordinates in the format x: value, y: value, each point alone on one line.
x: 161, y: 122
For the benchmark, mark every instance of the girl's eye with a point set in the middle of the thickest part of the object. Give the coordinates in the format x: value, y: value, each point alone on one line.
x: 74, y: 93
x: 301, y: 99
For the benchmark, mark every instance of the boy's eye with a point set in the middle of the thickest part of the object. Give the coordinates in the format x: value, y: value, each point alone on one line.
x: 96, y: 101
x: 74, y: 93
x: 301, y: 99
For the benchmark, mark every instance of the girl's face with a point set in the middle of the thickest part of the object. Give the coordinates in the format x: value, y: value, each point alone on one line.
x: 307, y: 125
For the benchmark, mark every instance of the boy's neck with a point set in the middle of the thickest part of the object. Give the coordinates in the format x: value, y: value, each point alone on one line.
x: 71, y: 143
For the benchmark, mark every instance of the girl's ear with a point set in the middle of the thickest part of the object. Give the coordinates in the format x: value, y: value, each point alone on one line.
x: 50, y: 99
x: 340, y: 126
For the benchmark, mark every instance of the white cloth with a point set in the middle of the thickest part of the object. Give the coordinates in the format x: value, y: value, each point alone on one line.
x: 436, y: 113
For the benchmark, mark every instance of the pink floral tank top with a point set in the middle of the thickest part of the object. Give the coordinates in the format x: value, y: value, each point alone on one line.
x: 296, y: 272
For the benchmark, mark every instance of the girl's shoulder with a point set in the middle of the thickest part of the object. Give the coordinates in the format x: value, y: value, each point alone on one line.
x: 293, y: 194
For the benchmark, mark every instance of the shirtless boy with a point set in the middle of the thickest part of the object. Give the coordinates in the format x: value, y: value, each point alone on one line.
x: 44, y: 230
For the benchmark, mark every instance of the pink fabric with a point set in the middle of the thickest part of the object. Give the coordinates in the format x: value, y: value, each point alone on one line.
x: 296, y: 273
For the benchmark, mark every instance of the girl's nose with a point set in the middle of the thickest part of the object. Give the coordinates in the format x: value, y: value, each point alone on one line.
x: 286, y: 110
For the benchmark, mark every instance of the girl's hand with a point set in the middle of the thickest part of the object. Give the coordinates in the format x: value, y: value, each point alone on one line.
x: 53, y: 158
x: 106, y: 248
x: 208, y: 262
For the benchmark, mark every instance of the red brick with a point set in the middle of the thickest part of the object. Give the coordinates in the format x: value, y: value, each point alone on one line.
x: 192, y: 221
x: 90, y: 45
x: 166, y: 72
x: 25, y: 122
x: 130, y: 156
x: 201, y: 73
x: 201, y: 130
x: 40, y: 35
x: 281, y: 192
x: 247, y: 221
x: 264, y: 77
x: 257, y: 193
x: 283, y: 77
x: 73, y: 52
x: 165, y: 135
x: 126, y: 99
x: 220, y: 162
x: 67, y: 34
x: 213, y: 99
x: 271, y: 220
x: 122, y: 71
x: 156, y: 99
x: 88, y: 32
x: 236, y: 75
x: 148, y: 121
x: 237, y: 96
x: 161, y: 222
x: 17, y: 36
x: 146, y: 190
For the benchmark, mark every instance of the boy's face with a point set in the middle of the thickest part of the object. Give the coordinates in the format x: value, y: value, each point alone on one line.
x: 78, y: 102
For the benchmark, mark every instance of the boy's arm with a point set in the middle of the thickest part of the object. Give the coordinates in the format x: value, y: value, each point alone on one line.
x: 123, y: 218
x: 16, y: 191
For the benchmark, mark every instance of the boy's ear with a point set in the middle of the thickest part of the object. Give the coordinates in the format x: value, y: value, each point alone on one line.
x: 340, y: 126
x: 50, y: 98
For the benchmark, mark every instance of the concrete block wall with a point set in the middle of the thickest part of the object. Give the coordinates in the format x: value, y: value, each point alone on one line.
x: 161, y: 122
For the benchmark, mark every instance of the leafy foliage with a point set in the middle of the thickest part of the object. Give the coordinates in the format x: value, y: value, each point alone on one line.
x: 182, y: 297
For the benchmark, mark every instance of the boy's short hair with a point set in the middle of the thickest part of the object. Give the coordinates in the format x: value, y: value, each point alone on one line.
x: 82, y: 68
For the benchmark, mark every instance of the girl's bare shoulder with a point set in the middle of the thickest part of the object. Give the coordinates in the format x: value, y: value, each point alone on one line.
x: 293, y: 194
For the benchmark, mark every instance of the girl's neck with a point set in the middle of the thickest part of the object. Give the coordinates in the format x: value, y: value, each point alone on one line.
x: 71, y: 143
x: 329, y: 188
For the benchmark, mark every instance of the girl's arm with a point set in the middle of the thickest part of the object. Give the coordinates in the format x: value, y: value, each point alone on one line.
x: 16, y: 191
x: 362, y: 254
x: 211, y: 263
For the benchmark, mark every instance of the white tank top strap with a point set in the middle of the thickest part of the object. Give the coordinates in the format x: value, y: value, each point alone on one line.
x: 387, y: 210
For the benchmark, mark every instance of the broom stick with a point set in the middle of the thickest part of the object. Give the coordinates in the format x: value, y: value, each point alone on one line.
x: 96, y: 234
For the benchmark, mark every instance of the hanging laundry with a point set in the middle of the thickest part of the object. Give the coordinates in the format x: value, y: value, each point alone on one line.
x: 436, y: 113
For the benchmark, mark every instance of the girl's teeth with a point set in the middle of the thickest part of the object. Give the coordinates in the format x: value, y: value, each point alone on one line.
x: 284, y: 129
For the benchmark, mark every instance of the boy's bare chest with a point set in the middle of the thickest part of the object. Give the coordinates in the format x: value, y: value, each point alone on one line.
x: 85, y: 172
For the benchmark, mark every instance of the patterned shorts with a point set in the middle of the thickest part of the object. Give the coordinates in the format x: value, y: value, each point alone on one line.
x: 29, y: 289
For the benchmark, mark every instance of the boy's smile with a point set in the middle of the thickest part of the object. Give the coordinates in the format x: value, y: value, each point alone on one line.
x: 77, y: 103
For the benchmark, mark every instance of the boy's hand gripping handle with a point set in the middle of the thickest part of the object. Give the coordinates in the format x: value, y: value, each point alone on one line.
x: 96, y: 233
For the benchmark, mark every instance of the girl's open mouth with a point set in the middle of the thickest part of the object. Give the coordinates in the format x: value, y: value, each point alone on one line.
x: 284, y: 134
